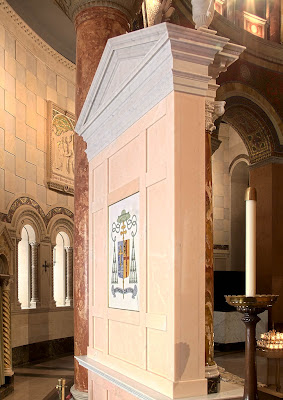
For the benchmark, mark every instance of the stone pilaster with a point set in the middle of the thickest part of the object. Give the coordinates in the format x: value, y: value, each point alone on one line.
x: 34, y: 301
x: 69, y: 276
x: 6, y: 301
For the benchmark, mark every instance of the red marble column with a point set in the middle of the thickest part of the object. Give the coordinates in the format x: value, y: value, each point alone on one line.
x: 209, y: 281
x: 94, y: 26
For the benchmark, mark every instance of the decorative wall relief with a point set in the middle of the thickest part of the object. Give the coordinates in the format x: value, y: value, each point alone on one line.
x: 60, y: 171
x: 123, y: 261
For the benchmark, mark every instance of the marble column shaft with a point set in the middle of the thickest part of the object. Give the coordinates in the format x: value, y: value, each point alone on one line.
x: 69, y: 277
x: 94, y: 26
x: 52, y: 302
x: 209, y: 278
x: 34, y: 272
x: 6, y: 302
x: 17, y: 303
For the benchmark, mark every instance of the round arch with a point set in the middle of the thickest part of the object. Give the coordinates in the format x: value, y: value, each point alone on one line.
x: 26, y: 215
x: 237, y: 160
x: 60, y: 224
x: 237, y: 89
x: 254, y: 127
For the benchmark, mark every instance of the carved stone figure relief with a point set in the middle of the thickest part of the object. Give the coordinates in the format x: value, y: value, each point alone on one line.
x: 60, y: 149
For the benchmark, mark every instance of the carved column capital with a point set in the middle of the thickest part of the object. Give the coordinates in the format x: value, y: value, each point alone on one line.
x: 213, y: 110
x: 73, y: 7
x: 6, y: 284
x: 203, y: 12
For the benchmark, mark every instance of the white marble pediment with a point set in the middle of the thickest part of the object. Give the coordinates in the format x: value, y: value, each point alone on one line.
x: 139, y: 69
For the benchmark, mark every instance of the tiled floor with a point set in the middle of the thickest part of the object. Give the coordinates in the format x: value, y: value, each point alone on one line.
x: 38, y: 381
x: 235, y: 363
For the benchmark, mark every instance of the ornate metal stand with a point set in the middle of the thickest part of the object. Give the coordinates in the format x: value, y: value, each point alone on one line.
x: 251, y: 307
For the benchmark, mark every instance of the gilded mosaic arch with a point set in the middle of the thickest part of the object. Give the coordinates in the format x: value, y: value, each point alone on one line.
x: 254, y: 127
x: 237, y: 89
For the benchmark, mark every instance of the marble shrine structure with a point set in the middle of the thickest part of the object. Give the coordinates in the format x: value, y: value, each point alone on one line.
x: 163, y: 92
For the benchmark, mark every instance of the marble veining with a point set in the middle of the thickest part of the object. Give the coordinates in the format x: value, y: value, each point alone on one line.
x: 228, y: 327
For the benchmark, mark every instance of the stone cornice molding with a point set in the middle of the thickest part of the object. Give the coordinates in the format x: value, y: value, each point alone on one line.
x: 262, y: 52
x: 230, y: 53
x: 266, y: 161
x: 27, y: 31
x: 73, y: 7
x: 159, y: 60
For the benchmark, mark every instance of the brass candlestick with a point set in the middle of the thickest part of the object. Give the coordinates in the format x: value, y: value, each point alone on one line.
x: 61, y: 388
x: 251, y: 307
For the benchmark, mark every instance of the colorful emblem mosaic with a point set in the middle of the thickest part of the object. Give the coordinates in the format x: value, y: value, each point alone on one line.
x: 123, y: 254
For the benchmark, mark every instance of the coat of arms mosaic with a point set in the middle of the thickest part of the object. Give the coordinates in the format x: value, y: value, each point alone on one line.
x: 124, y: 254
x: 60, y: 171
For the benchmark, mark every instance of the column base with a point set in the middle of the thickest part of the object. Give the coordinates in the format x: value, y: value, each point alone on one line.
x: 213, y: 378
x: 52, y: 304
x: 77, y: 395
x: 69, y: 302
x: 34, y: 304
x: 16, y: 306
x: 8, y: 372
x: 8, y: 387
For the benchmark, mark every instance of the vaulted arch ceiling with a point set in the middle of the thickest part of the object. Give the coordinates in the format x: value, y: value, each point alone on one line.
x: 50, y: 23
x: 254, y: 127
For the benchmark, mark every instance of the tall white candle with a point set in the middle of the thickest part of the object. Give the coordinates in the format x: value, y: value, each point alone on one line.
x: 250, y: 198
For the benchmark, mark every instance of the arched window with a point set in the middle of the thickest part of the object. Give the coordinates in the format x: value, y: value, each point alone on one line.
x: 25, y: 266
x: 62, y: 269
